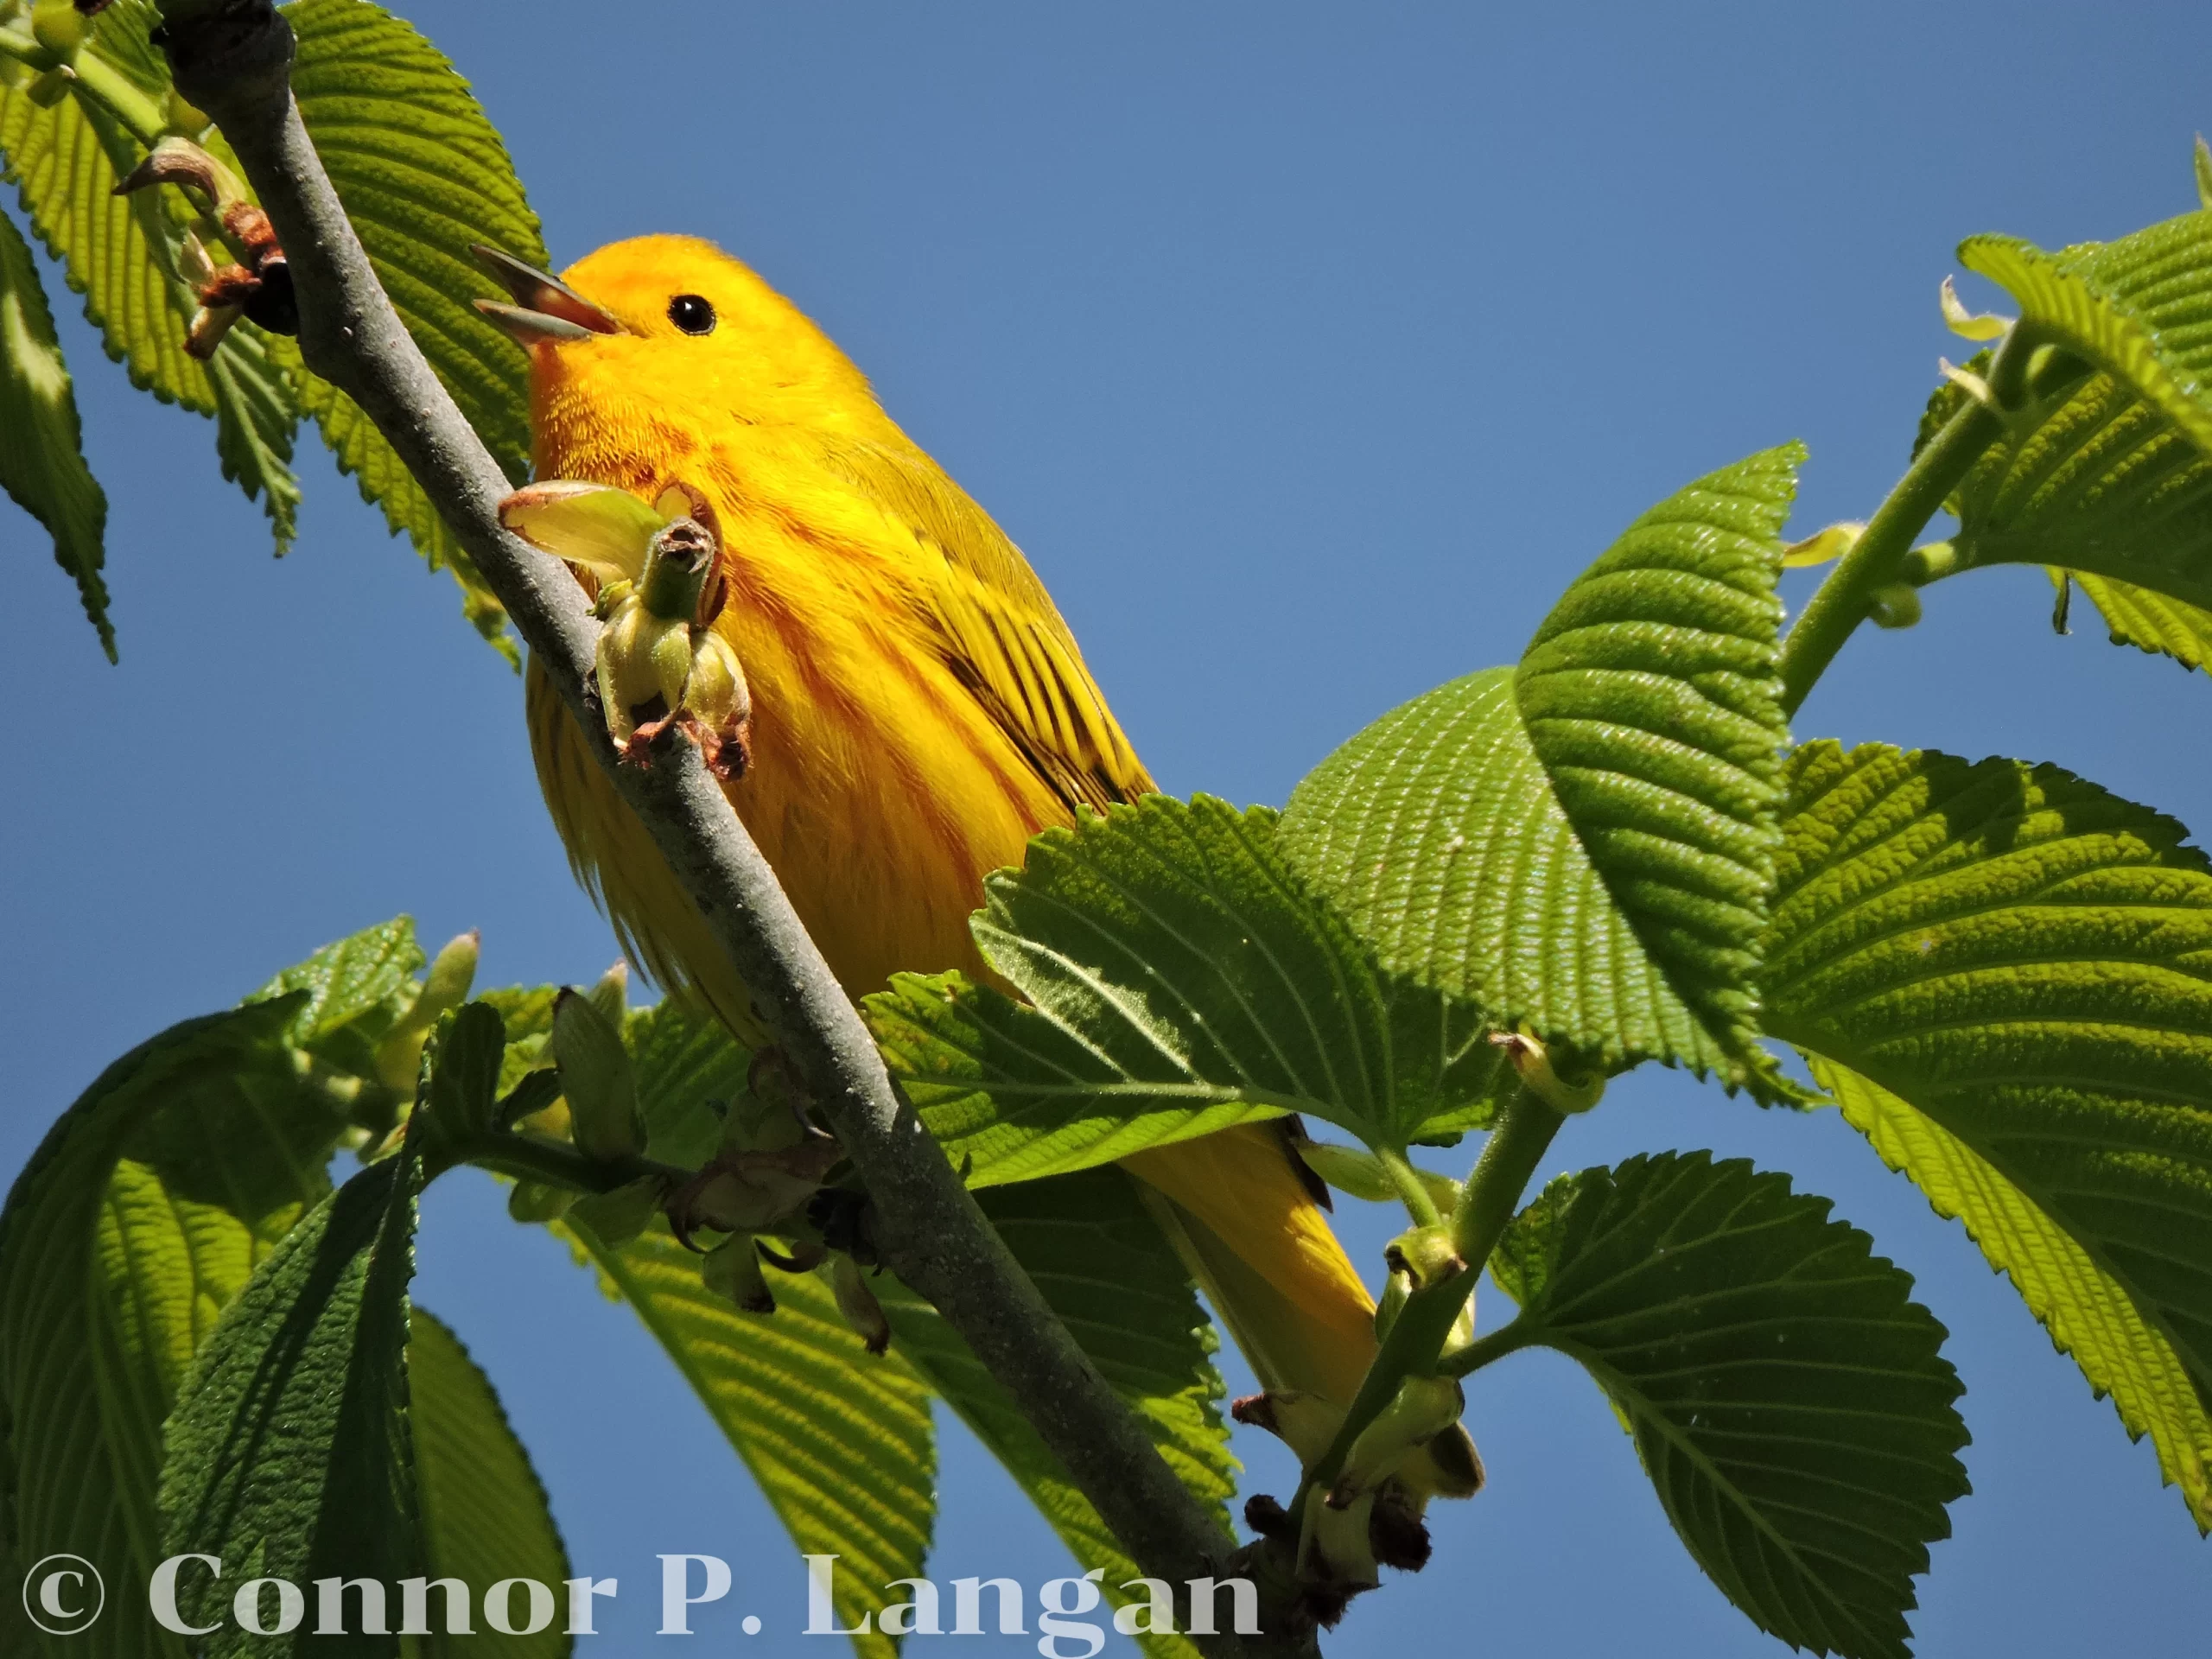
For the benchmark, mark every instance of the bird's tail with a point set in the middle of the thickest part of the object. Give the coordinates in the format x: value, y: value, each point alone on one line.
x: 1237, y: 1208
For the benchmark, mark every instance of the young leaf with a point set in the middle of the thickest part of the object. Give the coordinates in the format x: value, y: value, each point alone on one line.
x: 1179, y: 980
x: 1144, y: 1329
x: 484, y: 1513
x: 1585, y: 844
x: 423, y: 173
x: 838, y: 1440
x: 121, y: 253
x: 2111, y: 476
x: 1786, y: 1397
x: 42, y: 454
x: 288, y: 1454
x: 2023, y: 958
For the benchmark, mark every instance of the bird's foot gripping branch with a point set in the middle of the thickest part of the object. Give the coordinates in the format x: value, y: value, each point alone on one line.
x: 1474, y: 918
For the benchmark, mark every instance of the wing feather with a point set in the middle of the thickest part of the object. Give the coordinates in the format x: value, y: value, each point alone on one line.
x: 1001, y: 632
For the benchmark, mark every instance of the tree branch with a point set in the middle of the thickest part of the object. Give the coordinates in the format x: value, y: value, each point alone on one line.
x: 233, y: 59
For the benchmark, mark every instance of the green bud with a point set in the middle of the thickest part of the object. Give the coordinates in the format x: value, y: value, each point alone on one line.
x: 732, y: 1270
x: 1426, y: 1256
x: 619, y: 1218
x: 539, y: 1201
x: 602, y: 1095
x: 610, y: 996
x: 678, y: 561
x: 1394, y: 1301
x: 1423, y: 1408
x: 641, y: 657
x: 1349, y: 1170
x: 858, y: 1304
x: 60, y: 26
x: 1895, y: 605
x: 50, y: 88
x: 445, y: 988
x: 452, y: 971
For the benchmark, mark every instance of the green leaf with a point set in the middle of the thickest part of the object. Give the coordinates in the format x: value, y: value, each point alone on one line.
x: 1144, y: 1328
x: 422, y: 174
x: 288, y: 1454
x: 121, y: 253
x: 458, y: 1108
x: 110, y: 1276
x: 42, y: 451
x: 1585, y: 844
x: 1786, y: 1397
x: 2148, y: 620
x: 1178, y: 980
x: 484, y: 1513
x: 681, y: 1059
x: 838, y: 1440
x: 350, y: 979
x: 2087, y: 1312
x: 2026, y: 960
x: 2110, y: 477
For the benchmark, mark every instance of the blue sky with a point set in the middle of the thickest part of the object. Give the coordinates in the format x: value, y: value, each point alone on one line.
x: 1309, y: 353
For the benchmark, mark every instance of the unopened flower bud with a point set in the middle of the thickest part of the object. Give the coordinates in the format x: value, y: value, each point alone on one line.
x: 50, y: 88
x: 1423, y: 1408
x: 617, y: 1218
x: 1395, y: 1292
x: 732, y: 1270
x: 595, y: 1076
x: 445, y: 988
x: 1426, y: 1256
x: 1349, y: 1169
x: 539, y: 1201
x: 60, y: 27
x: 858, y: 1304
x: 610, y: 996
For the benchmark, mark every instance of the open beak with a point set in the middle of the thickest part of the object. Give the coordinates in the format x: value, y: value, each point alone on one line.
x: 546, y: 309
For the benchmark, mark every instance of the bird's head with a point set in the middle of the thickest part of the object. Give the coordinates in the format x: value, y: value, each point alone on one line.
x: 663, y: 332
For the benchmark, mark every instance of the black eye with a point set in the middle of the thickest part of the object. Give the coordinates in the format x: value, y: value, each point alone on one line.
x: 691, y: 313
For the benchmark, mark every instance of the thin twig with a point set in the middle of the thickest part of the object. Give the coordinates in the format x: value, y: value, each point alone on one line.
x: 233, y: 59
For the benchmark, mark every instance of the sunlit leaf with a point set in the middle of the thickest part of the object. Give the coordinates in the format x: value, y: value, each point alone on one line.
x: 288, y: 1454
x: 121, y: 253
x: 1586, y: 843
x: 1178, y: 980
x: 1144, y: 1327
x: 422, y: 174
x: 1786, y: 1397
x: 42, y: 454
x: 2026, y: 960
x: 484, y: 1512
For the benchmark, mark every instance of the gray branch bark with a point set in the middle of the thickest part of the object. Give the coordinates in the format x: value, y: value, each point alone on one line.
x: 233, y: 59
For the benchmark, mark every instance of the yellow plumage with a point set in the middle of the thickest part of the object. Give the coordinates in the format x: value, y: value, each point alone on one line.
x: 920, y: 710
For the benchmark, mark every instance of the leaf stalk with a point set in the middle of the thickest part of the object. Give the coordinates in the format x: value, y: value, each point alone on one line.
x: 1524, y: 1129
x: 1847, y: 597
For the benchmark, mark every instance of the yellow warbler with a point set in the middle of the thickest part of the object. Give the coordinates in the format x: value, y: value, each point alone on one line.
x: 918, y: 708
